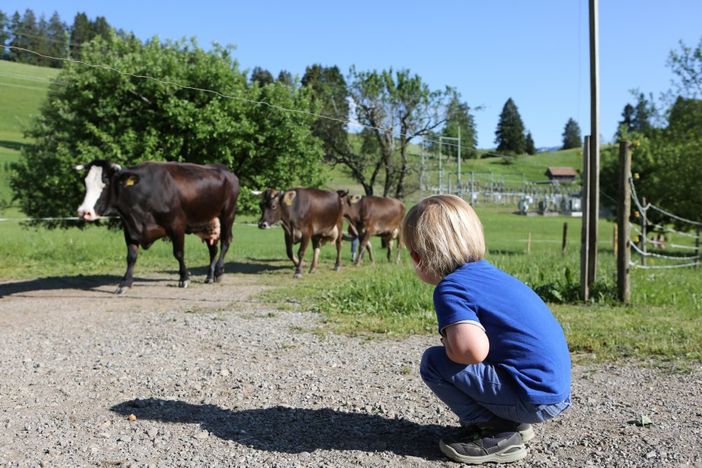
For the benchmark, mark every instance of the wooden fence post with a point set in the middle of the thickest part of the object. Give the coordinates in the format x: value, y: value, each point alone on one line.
x: 614, y: 240
x: 623, y: 212
x: 564, y: 244
x: 529, y: 243
x: 585, y: 228
x: 697, y: 248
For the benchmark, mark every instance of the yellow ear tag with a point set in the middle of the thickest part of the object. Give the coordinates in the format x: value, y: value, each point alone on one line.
x: 355, y: 199
x: 289, y: 197
x: 129, y: 181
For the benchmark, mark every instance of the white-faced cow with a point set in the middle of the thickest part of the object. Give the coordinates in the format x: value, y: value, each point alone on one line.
x: 374, y: 216
x: 156, y: 200
x: 306, y: 214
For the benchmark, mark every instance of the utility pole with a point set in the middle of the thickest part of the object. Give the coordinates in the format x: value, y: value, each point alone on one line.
x: 588, y: 265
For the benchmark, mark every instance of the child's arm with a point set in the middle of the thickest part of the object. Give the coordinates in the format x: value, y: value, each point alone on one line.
x: 465, y: 343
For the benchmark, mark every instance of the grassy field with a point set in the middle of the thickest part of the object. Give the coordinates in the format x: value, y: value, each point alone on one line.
x: 22, y: 89
x: 662, y: 323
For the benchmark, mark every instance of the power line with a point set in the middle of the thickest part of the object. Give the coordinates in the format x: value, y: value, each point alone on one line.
x: 353, y: 123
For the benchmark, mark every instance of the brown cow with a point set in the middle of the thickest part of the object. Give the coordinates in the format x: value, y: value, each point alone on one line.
x: 374, y: 216
x: 306, y: 214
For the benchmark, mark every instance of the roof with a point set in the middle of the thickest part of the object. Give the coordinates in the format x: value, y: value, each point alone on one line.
x: 561, y: 172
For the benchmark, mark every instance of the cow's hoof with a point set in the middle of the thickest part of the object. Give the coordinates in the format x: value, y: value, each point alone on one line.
x: 209, y: 280
x: 297, y: 275
x: 183, y: 284
x: 337, y: 268
x: 218, y: 278
x: 122, y: 290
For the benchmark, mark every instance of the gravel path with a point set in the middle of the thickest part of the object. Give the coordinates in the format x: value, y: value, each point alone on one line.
x: 209, y: 376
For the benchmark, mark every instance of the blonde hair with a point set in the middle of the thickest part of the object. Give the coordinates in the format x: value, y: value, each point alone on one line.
x: 445, y: 232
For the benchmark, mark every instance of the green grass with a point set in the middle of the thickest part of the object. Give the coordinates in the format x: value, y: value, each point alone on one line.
x: 662, y: 323
x: 22, y: 90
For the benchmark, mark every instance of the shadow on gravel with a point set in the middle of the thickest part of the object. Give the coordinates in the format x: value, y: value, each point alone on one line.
x: 247, y: 267
x: 296, y: 430
x: 55, y: 283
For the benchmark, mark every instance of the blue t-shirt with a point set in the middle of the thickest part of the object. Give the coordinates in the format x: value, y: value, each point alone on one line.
x: 526, y: 340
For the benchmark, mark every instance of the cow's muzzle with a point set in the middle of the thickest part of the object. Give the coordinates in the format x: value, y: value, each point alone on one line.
x: 263, y: 225
x: 88, y: 215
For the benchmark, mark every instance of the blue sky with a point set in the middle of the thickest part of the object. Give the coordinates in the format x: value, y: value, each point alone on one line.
x: 535, y: 52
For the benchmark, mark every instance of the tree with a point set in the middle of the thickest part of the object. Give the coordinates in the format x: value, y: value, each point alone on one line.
x: 57, y: 40
x: 509, y: 135
x: 286, y: 78
x: 686, y: 64
x: 4, y: 34
x: 396, y: 107
x: 261, y: 76
x: 666, y: 158
x: 459, y: 121
x: 571, y: 135
x: 95, y: 112
x: 530, y: 147
x: 25, y: 35
x: 81, y: 33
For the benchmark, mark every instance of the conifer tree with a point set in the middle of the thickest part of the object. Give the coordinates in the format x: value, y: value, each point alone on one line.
x: 571, y: 135
x: 530, y: 147
x: 509, y: 135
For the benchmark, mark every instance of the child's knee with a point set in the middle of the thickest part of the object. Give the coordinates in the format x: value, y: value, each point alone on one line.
x: 432, y: 361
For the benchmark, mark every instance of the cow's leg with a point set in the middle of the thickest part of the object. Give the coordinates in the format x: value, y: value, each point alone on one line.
x: 289, y: 248
x: 226, y: 241
x: 365, y: 245
x: 178, y: 240
x: 128, y: 279
x: 213, y: 262
x: 339, y: 238
x: 398, y: 247
x: 388, y: 241
x: 316, y: 248
x: 301, y: 255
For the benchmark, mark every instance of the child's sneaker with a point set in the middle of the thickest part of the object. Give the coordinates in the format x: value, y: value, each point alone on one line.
x: 477, y: 445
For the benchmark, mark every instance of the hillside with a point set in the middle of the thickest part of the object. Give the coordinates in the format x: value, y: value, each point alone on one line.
x: 23, y: 88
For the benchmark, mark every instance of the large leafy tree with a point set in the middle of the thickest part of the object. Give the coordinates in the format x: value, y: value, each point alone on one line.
x: 509, y: 135
x: 396, y: 107
x: 666, y: 158
x: 571, y: 135
x: 96, y: 112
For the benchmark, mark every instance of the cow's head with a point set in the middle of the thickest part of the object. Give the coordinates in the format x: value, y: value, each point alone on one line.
x: 96, y: 203
x: 272, y: 204
x: 350, y: 205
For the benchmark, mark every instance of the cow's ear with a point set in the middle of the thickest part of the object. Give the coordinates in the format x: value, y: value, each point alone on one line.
x: 355, y: 199
x: 289, y: 197
x: 127, y: 179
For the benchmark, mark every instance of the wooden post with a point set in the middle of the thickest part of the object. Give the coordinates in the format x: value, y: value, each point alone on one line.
x: 529, y: 243
x: 594, y: 152
x: 585, y: 227
x: 642, y: 246
x: 623, y: 211
x: 564, y: 244
x: 697, y: 248
x: 614, y: 240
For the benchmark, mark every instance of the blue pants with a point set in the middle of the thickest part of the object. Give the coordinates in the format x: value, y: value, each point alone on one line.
x: 480, y: 392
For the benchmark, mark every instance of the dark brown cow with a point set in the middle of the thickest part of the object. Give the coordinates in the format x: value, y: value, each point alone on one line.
x: 374, y: 216
x: 306, y: 214
x: 156, y: 200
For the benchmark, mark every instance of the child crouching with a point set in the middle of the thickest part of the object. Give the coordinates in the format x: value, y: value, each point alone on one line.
x: 504, y: 363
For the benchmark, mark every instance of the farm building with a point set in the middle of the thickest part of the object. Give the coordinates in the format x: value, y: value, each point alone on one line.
x: 561, y: 174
